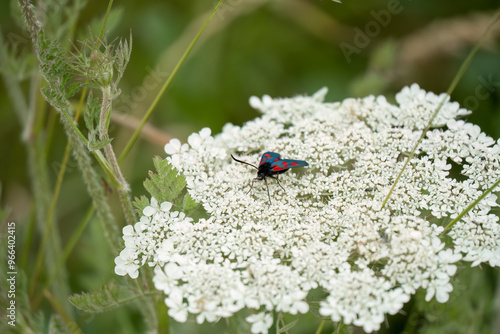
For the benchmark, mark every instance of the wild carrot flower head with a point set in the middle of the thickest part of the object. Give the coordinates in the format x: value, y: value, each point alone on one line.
x: 327, y: 230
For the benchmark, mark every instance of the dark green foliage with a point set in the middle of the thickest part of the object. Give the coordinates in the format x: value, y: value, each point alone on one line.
x: 167, y: 185
x: 56, y: 71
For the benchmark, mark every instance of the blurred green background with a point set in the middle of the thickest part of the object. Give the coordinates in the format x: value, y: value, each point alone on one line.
x: 254, y: 47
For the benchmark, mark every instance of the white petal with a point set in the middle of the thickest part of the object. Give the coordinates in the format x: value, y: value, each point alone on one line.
x: 173, y: 146
x: 148, y: 211
x: 166, y: 206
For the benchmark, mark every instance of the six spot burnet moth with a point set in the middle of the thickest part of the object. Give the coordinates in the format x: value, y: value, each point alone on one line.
x: 271, y: 166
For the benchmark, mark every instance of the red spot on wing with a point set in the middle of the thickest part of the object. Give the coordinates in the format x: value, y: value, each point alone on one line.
x: 294, y: 164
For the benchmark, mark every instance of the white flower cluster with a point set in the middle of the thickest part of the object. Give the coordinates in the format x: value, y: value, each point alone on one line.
x: 143, y: 239
x: 326, y: 230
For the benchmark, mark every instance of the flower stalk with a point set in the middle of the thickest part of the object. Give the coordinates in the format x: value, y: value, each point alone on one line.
x: 103, y: 65
x: 123, y: 187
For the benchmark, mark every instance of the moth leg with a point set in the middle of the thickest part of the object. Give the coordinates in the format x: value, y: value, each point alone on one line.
x: 268, y: 191
x: 279, y: 183
x: 251, y: 185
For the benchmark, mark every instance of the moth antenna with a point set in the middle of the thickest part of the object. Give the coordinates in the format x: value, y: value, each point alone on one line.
x: 243, y: 162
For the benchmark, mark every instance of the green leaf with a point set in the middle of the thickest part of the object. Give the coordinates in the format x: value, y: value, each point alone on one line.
x: 72, y: 89
x: 98, y: 144
x: 56, y: 71
x: 122, y: 57
x: 97, y: 301
x: 168, y: 185
x: 141, y: 203
x: 188, y: 204
x: 92, y: 115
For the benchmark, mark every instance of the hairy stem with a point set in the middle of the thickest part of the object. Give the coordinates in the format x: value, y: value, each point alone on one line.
x: 123, y: 188
x: 55, y: 96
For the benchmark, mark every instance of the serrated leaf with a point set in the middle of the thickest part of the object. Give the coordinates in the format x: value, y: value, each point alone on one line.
x: 166, y: 185
x: 141, y: 203
x: 188, y: 204
x: 176, y: 187
x: 122, y: 57
x: 72, y: 89
x: 56, y: 71
x: 91, y: 116
x: 153, y: 189
x: 98, y: 144
x: 97, y: 301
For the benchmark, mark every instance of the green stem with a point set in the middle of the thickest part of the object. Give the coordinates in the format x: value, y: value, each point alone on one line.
x: 56, y: 305
x: 471, y: 206
x: 142, y: 295
x: 412, y: 320
x: 105, y: 112
x: 81, y: 138
x: 63, y: 107
x: 108, y: 10
x: 103, y: 136
x: 320, y: 327
x: 123, y: 189
x: 162, y: 315
x: 95, y: 189
x: 136, y: 133
x: 450, y: 90
x: 148, y: 305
